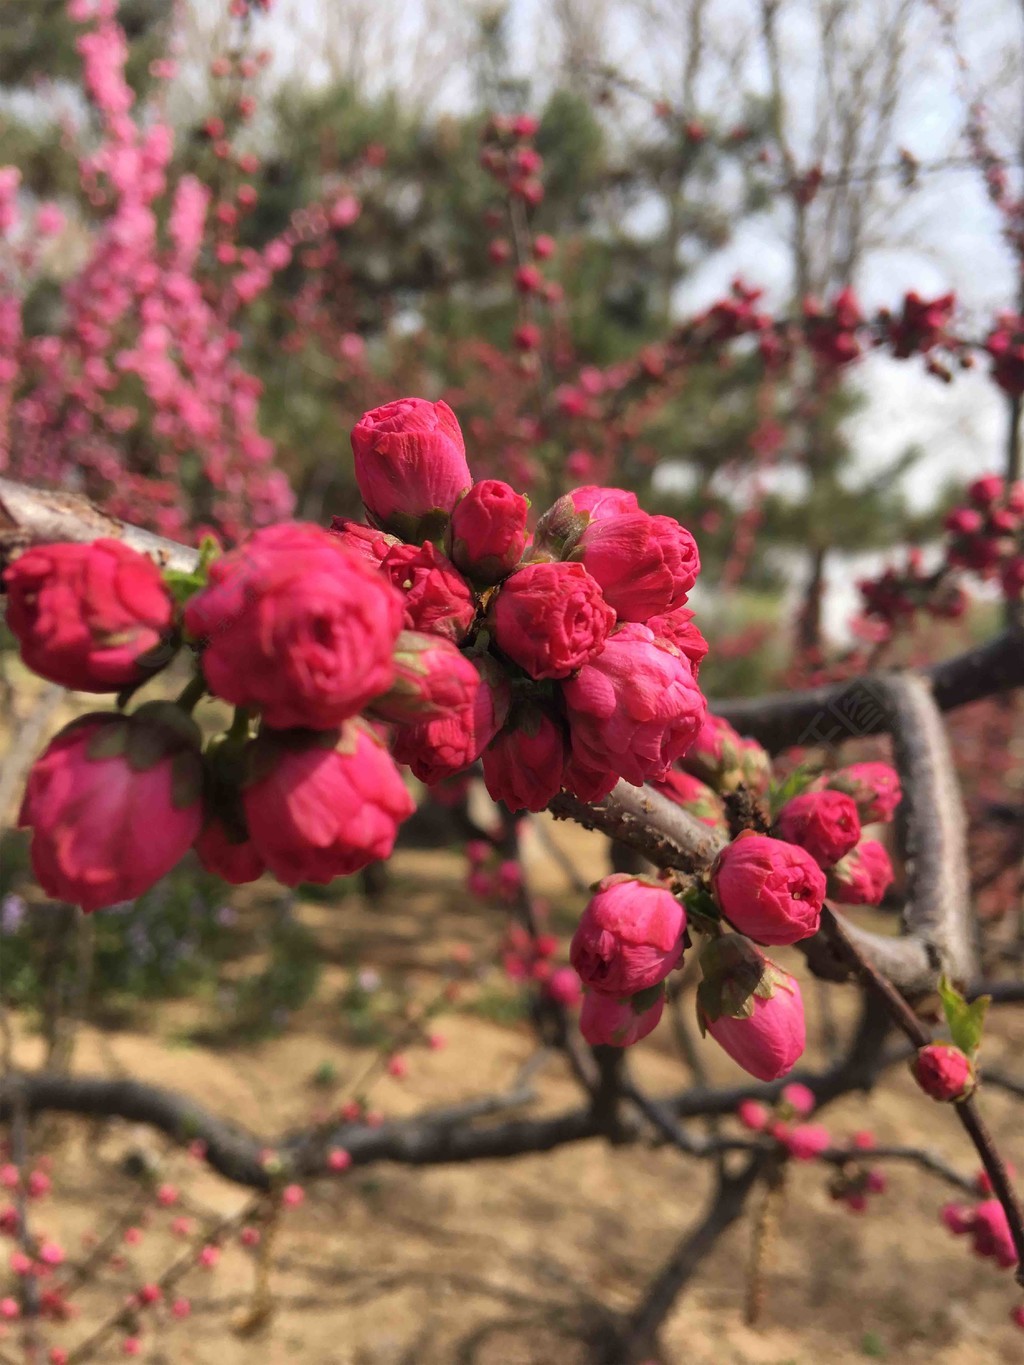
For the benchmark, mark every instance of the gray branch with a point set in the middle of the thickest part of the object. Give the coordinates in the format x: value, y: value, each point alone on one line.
x: 33, y: 516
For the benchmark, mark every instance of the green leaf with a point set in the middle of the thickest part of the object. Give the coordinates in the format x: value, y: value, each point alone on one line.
x: 798, y: 781
x: 700, y: 905
x: 183, y: 585
x: 966, y: 1020
x: 208, y: 552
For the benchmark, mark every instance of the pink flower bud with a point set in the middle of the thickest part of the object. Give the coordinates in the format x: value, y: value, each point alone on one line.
x: 523, y: 764
x: 601, y: 503
x: 563, y: 986
x: 629, y: 937
x: 550, y: 618
x: 619, y: 1023
x: 587, y: 783
x: 432, y: 678
x: 807, y: 1141
x: 528, y: 279
x: 236, y: 860
x: 366, y: 541
x: 645, y: 565
x: 800, y: 1099
x: 678, y: 629
x: 863, y: 876
x: 51, y: 1253
x: 634, y: 708
x: 322, y: 806
x: 436, y: 598
x: 751, y: 1007
x: 944, y: 1072
x: 439, y: 748
x: 825, y: 823
x: 768, y: 889
x: 297, y: 626
x: 93, y: 617
x: 985, y: 491
x: 694, y: 796
x: 755, y: 765
x: 113, y: 803
x: 410, y: 465
x: 716, y: 755
x: 488, y: 531
x: 964, y: 521
x: 875, y: 787
x: 991, y: 1233
x: 753, y: 1115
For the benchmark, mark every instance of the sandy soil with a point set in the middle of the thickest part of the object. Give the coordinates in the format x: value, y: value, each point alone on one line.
x: 507, y: 1263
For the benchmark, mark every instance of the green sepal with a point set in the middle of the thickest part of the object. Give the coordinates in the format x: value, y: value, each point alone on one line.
x: 735, y: 971
x: 186, y: 779
x: 432, y: 525
x: 261, y: 755
x: 225, y: 764
x: 110, y: 740
x: 966, y: 1020
x: 559, y: 530
x: 643, y: 1000
x: 170, y: 718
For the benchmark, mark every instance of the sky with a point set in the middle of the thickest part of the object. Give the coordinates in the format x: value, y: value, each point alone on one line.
x: 944, y: 236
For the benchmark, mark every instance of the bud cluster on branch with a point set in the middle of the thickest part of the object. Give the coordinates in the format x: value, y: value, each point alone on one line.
x: 443, y: 632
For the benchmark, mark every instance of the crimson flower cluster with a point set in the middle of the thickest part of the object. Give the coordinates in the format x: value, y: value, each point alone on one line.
x: 988, y: 1228
x: 764, y: 890
x: 985, y: 537
x: 440, y: 633
x: 785, y: 1121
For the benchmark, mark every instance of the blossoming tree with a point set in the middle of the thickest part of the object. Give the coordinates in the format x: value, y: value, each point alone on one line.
x: 532, y: 632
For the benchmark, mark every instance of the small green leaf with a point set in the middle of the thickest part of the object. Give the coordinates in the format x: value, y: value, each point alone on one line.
x: 182, y: 586
x: 966, y: 1020
x: 798, y: 781
x: 208, y: 552
x: 700, y: 905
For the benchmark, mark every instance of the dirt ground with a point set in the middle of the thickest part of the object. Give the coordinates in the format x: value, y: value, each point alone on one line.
x: 505, y: 1263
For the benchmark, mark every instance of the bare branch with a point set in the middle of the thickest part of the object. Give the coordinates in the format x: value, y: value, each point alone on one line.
x: 32, y: 516
x: 839, y: 712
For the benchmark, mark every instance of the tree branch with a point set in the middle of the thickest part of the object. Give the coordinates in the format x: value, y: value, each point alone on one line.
x: 33, y: 516
x: 843, y: 711
x: 725, y: 1207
